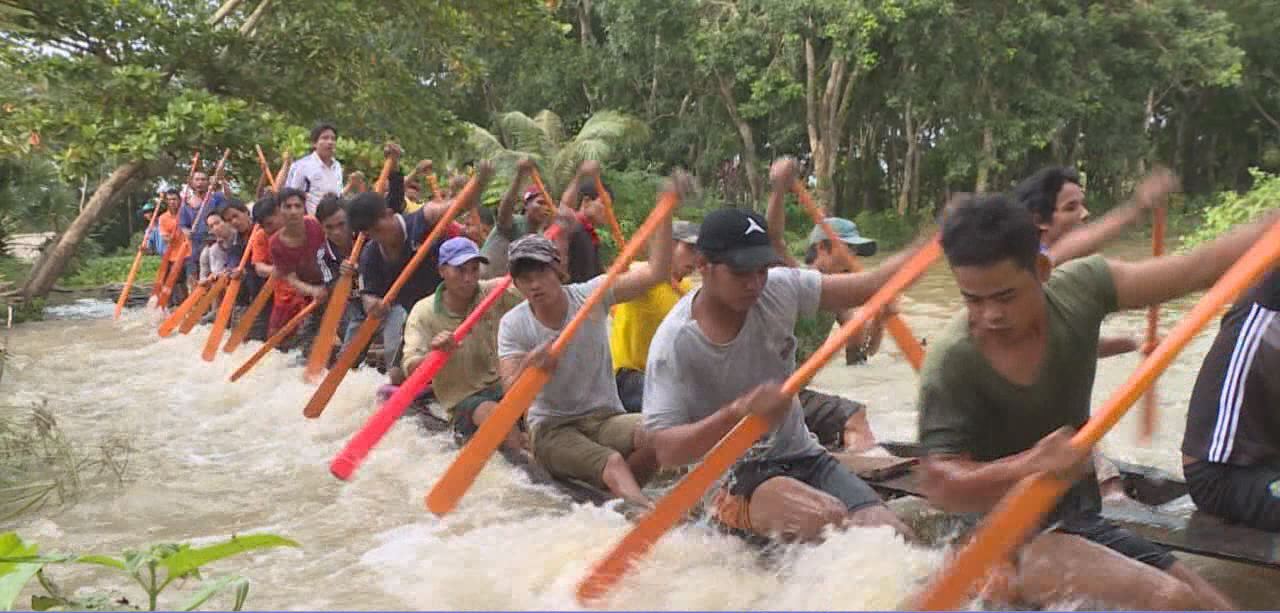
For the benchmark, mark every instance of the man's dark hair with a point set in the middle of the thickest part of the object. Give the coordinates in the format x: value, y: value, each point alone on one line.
x: 811, y: 254
x: 317, y: 131
x: 234, y: 204
x: 525, y: 266
x: 1039, y: 192
x: 984, y: 230
x: 365, y: 209
x: 173, y: 190
x: 587, y: 190
x: 214, y: 213
x: 265, y: 207
x: 290, y: 192
x: 486, y: 215
x: 328, y: 205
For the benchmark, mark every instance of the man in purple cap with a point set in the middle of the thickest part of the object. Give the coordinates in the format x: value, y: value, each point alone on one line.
x: 468, y: 387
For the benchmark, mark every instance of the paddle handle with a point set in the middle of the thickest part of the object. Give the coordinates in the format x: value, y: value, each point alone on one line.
x: 455, y: 482
x: 898, y: 328
x: 384, y: 176
x: 689, y: 491
x: 351, y: 456
x: 1150, y: 402
x: 322, y: 347
x: 1018, y: 513
x: 667, y: 202
x: 537, y: 181
x: 285, y: 162
x: 162, y: 273
x: 275, y: 340
x: 202, y: 306
x: 250, y: 314
x: 266, y: 170
x: 179, y: 314
x: 133, y: 269
x: 614, y: 228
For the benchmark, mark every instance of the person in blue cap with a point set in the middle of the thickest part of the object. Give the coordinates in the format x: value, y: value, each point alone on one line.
x: 469, y: 385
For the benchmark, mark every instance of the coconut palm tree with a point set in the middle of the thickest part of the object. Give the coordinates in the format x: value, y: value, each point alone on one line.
x: 542, y: 138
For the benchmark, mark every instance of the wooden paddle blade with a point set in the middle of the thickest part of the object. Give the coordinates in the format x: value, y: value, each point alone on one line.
x: 1007, y: 526
x: 202, y: 307
x: 133, y: 273
x: 457, y: 479
x: 614, y: 228
x: 358, y: 448
x: 221, y: 320
x: 179, y: 314
x: 324, y: 393
x: 274, y: 341
x: 162, y: 273
x: 322, y: 347
x: 250, y: 314
x: 906, y: 341
x: 1021, y: 509
x: 671, y: 509
x: 175, y: 270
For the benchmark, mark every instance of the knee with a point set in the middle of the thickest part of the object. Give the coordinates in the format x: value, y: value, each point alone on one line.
x: 1175, y: 595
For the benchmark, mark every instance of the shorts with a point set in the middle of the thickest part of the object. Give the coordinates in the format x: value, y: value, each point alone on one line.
x: 630, y: 389
x: 1098, y: 530
x: 460, y: 417
x: 826, y: 414
x: 731, y: 504
x: 1248, y: 495
x: 579, y: 447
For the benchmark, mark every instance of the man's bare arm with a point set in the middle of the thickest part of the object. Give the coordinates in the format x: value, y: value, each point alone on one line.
x: 1156, y: 280
x: 781, y: 176
x: 848, y: 290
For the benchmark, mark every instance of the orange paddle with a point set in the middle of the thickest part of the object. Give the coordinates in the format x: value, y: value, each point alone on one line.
x: 614, y: 228
x: 902, y: 335
x: 180, y: 314
x: 455, y: 482
x: 1013, y: 519
x: 380, y: 185
x: 1150, y: 402
x: 274, y: 341
x: 537, y: 180
x: 203, y: 305
x: 677, y: 503
x: 266, y: 170
x: 250, y: 314
x: 320, y: 399
x: 285, y: 163
x: 228, y: 304
x: 186, y: 249
x: 322, y: 347
x: 183, y: 248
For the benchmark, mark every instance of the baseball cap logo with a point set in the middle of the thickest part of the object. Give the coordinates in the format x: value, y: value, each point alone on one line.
x: 752, y: 226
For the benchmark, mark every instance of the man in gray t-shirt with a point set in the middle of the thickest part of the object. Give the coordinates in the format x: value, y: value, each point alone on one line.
x: 706, y: 367
x: 577, y: 424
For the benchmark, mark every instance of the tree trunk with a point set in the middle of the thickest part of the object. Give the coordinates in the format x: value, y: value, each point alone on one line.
x: 584, y: 23
x: 223, y: 11
x: 825, y: 116
x: 749, y: 158
x: 51, y: 266
x: 251, y: 24
x: 908, y: 161
x: 987, y: 160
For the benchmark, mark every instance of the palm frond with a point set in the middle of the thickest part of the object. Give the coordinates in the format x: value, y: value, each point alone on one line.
x: 523, y: 133
x: 551, y: 126
x: 614, y: 127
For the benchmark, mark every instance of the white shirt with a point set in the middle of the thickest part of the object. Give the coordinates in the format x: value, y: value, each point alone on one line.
x: 312, y: 176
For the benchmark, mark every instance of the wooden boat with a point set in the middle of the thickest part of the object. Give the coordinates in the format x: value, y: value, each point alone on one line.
x: 1161, y: 510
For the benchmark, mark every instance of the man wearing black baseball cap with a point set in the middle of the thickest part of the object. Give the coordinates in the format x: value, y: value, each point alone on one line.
x: 705, y: 372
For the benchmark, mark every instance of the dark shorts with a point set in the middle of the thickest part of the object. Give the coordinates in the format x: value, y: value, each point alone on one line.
x: 461, y: 421
x: 1098, y: 530
x: 826, y: 414
x: 1248, y: 495
x: 630, y: 389
x: 822, y: 472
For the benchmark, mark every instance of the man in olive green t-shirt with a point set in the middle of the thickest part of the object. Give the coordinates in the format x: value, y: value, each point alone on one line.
x: 1003, y: 390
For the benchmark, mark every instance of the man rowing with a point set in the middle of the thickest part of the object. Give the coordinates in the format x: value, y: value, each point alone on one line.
x: 1005, y: 385
x: 578, y: 426
x: 713, y: 350
x: 468, y: 387
x: 1231, y: 446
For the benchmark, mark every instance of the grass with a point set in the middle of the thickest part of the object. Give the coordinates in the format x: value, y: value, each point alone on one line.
x: 91, y: 274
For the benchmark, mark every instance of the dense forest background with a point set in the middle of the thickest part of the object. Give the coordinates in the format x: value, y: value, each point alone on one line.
x: 890, y: 104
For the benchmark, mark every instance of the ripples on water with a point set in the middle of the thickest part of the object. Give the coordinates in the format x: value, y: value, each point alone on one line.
x: 216, y: 459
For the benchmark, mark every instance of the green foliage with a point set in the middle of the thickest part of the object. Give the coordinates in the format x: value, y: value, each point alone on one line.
x: 101, y: 271
x: 1230, y: 208
x: 603, y: 136
x: 19, y: 562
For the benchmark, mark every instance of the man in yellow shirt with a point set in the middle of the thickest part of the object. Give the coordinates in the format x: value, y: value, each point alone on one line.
x: 635, y: 322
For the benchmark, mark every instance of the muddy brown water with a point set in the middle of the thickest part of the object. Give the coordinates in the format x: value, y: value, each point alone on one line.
x: 215, y: 459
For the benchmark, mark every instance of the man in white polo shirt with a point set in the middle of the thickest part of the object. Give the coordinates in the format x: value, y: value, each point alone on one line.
x: 318, y: 173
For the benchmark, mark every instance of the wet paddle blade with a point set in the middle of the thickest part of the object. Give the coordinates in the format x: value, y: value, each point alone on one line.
x: 274, y: 341
x: 250, y: 314
x: 458, y: 478
x: 358, y: 448
x: 133, y: 274
x: 175, y: 270
x: 202, y: 307
x: 221, y: 320
x: 1020, y: 509
x: 324, y: 393
x: 680, y: 500
x: 322, y: 347
x: 162, y: 273
x: 906, y: 341
x: 179, y: 314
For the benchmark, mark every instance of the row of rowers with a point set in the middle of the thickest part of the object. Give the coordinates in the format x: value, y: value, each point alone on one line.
x: 676, y: 367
